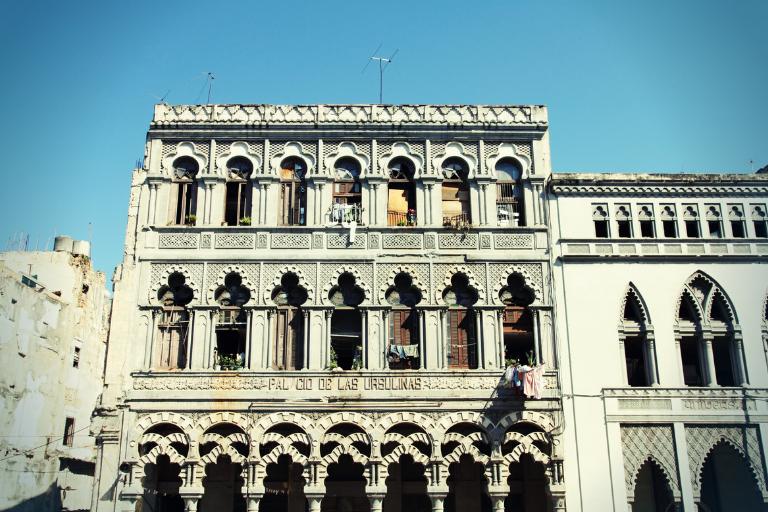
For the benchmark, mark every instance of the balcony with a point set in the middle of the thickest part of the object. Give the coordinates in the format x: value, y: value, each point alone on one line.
x: 395, y: 218
x: 346, y: 213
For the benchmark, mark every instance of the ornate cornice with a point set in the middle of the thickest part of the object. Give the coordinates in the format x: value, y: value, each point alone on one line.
x: 505, y: 115
x: 656, y: 190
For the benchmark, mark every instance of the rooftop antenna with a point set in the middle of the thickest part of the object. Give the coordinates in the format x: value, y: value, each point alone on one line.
x: 210, y: 80
x: 383, y: 63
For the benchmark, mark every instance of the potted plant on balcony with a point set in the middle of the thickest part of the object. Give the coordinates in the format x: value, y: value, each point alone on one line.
x: 245, y: 221
x: 411, y: 217
x: 190, y: 219
x: 228, y: 362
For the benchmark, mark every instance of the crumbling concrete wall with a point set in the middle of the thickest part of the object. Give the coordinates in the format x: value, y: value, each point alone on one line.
x: 48, y: 322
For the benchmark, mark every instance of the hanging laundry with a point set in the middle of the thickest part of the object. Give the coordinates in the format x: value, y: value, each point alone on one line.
x: 411, y: 350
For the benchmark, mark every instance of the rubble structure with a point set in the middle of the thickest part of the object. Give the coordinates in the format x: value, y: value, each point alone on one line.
x: 54, y: 315
x: 320, y: 306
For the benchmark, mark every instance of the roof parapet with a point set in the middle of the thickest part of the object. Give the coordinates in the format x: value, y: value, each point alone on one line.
x: 239, y: 114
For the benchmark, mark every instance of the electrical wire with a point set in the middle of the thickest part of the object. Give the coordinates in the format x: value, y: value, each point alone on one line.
x: 52, y: 440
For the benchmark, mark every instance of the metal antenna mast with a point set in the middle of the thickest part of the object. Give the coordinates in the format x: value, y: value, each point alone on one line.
x: 210, y: 79
x: 383, y: 63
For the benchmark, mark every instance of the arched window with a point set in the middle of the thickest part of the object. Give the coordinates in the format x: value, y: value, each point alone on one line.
x: 346, y: 324
x: 460, y: 297
x: 347, y: 191
x: 711, y: 348
x: 401, y: 203
x: 403, y: 351
x: 289, y: 351
x: 237, y: 209
x: 456, y: 206
x: 185, y: 169
x: 517, y: 321
x: 637, y: 341
x: 509, y: 193
x: 293, y: 192
x: 173, y: 325
x: 231, y: 323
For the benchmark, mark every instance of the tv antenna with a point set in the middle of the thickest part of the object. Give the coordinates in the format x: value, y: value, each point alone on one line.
x: 210, y: 80
x: 383, y: 63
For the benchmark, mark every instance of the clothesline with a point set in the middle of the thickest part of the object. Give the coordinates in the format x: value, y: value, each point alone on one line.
x: 528, y: 378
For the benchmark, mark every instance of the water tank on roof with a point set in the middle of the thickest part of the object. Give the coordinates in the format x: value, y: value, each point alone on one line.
x: 81, y: 248
x: 63, y: 244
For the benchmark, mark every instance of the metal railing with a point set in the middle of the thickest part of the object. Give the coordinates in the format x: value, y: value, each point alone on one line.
x: 461, y: 221
x: 343, y: 213
x: 395, y: 218
x: 508, y: 213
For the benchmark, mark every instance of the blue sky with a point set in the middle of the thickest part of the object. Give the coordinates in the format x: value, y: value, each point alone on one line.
x: 652, y: 85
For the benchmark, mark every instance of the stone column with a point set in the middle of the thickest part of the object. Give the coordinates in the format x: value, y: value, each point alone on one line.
x: 253, y: 502
x: 438, y: 500
x: 650, y: 344
x: 497, y: 501
x: 377, y: 501
x: 314, y: 502
x: 709, y: 359
x: 190, y: 503
x: 738, y: 357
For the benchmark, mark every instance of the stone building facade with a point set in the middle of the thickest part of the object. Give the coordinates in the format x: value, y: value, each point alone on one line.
x: 315, y: 308
x: 661, y: 289
x: 54, y: 316
x: 318, y: 304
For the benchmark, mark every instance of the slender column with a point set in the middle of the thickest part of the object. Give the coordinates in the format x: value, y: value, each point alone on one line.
x: 150, y: 344
x: 483, y: 216
x: 422, y: 342
x: 680, y: 372
x: 709, y: 359
x: 650, y: 344
x: 437, y: 501
x: 377, y: 501
x: 501, y: 346
x: 622, y: 360
x: 314, y: 503
x: 248, y: 331
x: 681, y: 450
x: 190, y: 504
x: 497, y: 501
x: 253, y: 503
x: 741, y: 368
x: 536, y: 338
x: 305, y: 338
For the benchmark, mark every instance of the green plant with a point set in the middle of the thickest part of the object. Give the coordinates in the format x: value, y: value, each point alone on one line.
x: 334, y: 362
x: 190, y: 219
x: 401, y: 223
x: 227, y: 362
x: 245, y: 221
x: 531, y: 358
x: 510, y: 362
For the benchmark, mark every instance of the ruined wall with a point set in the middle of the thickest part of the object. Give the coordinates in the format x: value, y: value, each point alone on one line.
x: 46, y: 323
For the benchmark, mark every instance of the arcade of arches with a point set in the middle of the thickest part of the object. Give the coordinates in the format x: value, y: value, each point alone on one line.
x: 345, y: 462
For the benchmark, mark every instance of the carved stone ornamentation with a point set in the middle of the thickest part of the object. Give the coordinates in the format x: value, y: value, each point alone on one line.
x: 641, y: 443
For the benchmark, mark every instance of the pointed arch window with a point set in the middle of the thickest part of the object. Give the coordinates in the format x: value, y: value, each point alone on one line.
x: 404, y: 326
x: 347, y: 191
x: 636, y: 339
x: 289, y: 346
x: 401, y: 201
x: 231, y: 323
x: 461, y: 320
x: 707, y: 331
x: 239, y: 190
x: 185, y: 169
x: 293, y: 192
x: 173, y: 324
x: 456, y: 202
x: 509, y: 193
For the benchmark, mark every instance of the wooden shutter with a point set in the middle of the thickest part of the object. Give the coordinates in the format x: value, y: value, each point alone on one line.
x: 403, y: 327
x: 289, y: 340
x: 461, y: 334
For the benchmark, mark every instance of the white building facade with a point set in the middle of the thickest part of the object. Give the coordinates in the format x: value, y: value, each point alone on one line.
x: 316, y: 307
x: 661, y: 293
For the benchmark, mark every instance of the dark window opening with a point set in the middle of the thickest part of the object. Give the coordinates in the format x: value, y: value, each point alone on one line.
x: 689, y: 352
x: 76, y: 358
x: 230, y: 338
x: 721, y: 350
x: 761, y: 231
x: 401, y: 200
x: 185, y: 170
x: 601, y: 228
x: 347, y: 338
x: 293, y: 193
x: 518, y: 335
x: 69, y: 431
x: 692, y: 229
x: 737, y: 228
x: 625, y: 229
x: 172, y: 346
x: 646, y: 229
x: 238, y: 203
x: 635, y: 358
x: 462, y: 339
x: 670, y: 228
x: 403, y: 351
x: 715, y: 228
